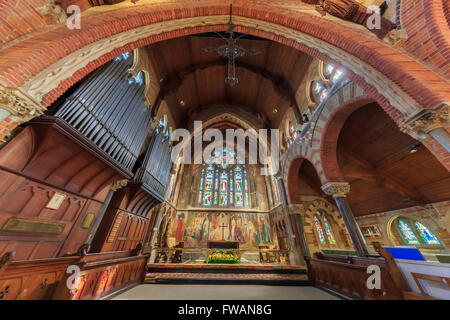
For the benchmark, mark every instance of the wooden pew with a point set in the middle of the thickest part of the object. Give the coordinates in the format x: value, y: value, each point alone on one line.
x: 347, y: 275
x: 102, y: 275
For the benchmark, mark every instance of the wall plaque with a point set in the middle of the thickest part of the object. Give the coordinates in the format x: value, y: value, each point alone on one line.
x: 22, y: 225
x: 87, y: 222
x: 56, y: 201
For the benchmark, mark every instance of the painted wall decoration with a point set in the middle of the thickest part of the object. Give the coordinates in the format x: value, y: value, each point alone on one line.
x: 197, y: 228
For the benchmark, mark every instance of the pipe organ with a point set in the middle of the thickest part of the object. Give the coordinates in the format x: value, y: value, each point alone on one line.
x: 108, y: 109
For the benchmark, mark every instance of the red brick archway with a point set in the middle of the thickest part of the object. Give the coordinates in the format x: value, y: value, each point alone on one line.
x: 293, y: 179
x: 330, y: 136
x: 39, y: 51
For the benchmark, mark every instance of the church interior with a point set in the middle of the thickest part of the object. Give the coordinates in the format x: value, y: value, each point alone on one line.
x: 349, y: 97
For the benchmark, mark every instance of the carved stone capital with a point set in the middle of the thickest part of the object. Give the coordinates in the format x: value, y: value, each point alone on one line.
x: 296, y: 209
x: 336, y: 189
x: 21, y: 107
x: 397, y: 37
x: 119, y: 184
x: 53, y: 13
x: 427, y: 120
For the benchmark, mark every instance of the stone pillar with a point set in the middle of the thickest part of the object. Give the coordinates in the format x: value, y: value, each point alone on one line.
x: 284, y: 202
x: 430, y: 123
x: 339, y: 192
x: 301, y: 231
x: 442, y: 137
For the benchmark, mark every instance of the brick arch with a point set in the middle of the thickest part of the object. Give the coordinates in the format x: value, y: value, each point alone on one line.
x: 291, y: 175
x: 330, y: 136
x: 33, y: 64
x: 311, y: 145
x: 426, y: 23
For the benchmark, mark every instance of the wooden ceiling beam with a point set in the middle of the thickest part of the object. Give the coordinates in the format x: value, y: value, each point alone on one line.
x: 279, y: 83
x: 369, y: 172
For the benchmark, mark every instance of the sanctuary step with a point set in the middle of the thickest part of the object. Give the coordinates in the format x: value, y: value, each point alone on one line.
x: 227, y: 274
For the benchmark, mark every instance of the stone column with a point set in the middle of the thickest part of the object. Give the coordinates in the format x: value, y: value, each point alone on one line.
x: 430, y: 123
x: 339, y: 192
x: 284, y: 202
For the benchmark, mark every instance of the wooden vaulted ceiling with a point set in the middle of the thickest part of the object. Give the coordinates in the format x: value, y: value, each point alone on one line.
x: 267, y: 81
x: 375, y: 158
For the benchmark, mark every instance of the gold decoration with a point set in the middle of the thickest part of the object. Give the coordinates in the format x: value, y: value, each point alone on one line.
x: 21, y: 107
x: 56, y: 201
x: 119, y: 185
x: 23, y: 225
x: 428, y: 120
x: 336, y: 189
x: 87, y: 222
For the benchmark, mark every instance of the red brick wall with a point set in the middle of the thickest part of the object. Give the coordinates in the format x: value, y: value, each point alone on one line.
x: 19, y: 17
x: 6, y: 126
x: 427, y: 25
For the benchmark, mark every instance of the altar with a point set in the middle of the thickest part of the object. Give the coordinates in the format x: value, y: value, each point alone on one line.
x: 223, y: 245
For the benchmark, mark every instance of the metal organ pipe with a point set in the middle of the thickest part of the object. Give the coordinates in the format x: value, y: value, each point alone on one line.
x: 110, y: 111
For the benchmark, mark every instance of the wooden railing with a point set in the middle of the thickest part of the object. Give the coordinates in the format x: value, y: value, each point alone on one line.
x: 348, y: 276
x: 101, y: 276
x: 350, y: 280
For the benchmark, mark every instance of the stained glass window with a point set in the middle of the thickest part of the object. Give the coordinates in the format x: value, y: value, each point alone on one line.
x: 223, y: 198
x: 247, y: 202
x: 231, y: 194
x: 319, y: 230
x: 407, y: 232
x: 136, y: 79
x: 207, y: 197
x: 330, y: 69
x: 216, y: 188
x: 239, y: 187
x: 329, y: 231
x: 223, y: 181
x: 200, y: 193
x: 317, y: 87
x: 124, y: 56
x: 337, y: 76
x: 323, y: 95
x: 426, y: 234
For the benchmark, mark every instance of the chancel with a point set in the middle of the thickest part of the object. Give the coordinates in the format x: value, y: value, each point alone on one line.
x: 291, y: 144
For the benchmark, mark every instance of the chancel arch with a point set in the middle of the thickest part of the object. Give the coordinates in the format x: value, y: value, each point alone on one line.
x: 319, y: 45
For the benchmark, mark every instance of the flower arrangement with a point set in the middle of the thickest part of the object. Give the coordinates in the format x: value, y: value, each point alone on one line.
x: 222, y: 257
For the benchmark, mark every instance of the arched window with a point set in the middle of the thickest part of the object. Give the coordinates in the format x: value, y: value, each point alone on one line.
x: 324, y: 229
x: 329, y: 232
x: 319, y: 230
x: 224, y: 182
x: 138, y: 79
x: 407, y: 232
x: 427, y: 236
x: 415, y: 233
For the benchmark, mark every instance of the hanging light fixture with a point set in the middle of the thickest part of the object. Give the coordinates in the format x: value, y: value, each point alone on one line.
x: 231, y: 51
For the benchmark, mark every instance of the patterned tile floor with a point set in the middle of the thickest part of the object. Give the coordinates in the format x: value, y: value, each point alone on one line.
x: 226, y: 276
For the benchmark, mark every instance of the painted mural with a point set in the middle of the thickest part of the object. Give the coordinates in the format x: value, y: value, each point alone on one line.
x: 195, y: 229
